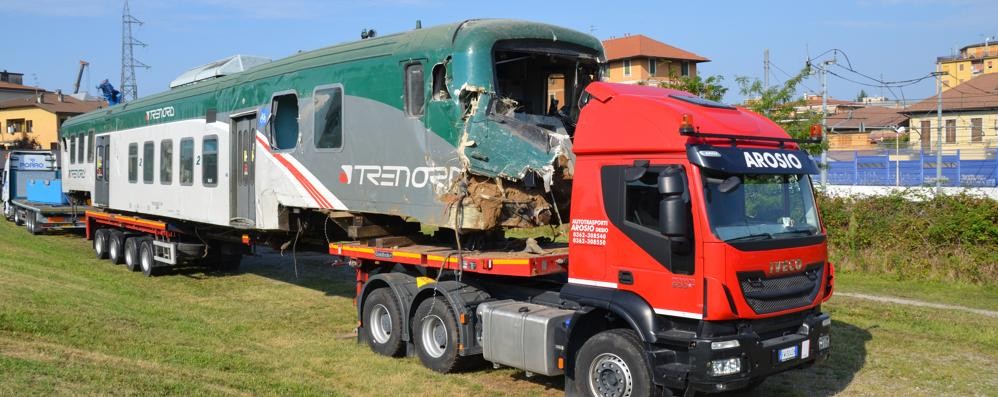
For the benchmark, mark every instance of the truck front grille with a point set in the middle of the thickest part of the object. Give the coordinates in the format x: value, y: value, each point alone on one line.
x: 768, y: 295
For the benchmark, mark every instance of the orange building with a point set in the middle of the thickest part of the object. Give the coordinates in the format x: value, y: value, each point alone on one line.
x: 639, y: 59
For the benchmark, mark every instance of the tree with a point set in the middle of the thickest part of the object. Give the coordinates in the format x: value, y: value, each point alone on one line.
x: 709, y: 88
x: 861, y: 95
x: 781, y: 104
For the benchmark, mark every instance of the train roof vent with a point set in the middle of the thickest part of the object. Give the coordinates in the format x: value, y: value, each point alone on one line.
x: 227, y: 66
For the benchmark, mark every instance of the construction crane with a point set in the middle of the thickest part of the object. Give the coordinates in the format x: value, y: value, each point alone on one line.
x: 79, y: 76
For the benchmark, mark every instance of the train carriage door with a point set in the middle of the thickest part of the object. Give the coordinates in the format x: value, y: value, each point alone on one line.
x: 243, y: 198
x: 102, y: 174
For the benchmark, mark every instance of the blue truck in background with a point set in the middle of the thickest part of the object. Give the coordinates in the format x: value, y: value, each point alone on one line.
x: 31, y: 193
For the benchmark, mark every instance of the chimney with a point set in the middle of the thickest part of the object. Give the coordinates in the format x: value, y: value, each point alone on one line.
x: 58, y: 94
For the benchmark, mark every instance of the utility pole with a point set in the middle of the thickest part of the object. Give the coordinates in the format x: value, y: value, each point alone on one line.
x: 824, y: 122
x: 129, y: 86
x: 939, y: 131
x: 765, y: 68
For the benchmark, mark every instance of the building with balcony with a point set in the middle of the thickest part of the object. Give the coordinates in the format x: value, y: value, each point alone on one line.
x: 972, y: 61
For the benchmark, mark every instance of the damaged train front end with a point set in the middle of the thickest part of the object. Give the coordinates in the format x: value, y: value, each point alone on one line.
x: 517, y: 95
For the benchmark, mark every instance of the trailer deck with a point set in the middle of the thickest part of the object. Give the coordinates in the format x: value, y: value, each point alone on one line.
x: 553, y: 260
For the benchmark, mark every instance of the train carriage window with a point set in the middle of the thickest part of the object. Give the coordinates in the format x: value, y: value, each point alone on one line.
x: 166, y: 161
x: 209, y: 156
x: 72, y: 150
x: 187, y: 161
x: 80, y: 143
x: 284, y: 127
x: 133, y: 162
x: 328, y: 127
x: 90, y: 146
x: 415, y: 96
x: 148, y: 151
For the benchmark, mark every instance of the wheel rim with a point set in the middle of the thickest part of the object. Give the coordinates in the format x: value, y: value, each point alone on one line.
x: 381, y: 324
x: 99, y: 243
x: 434, y: 336
x: 609, y: 376
x: 130, y: 255
x: 114, y: 249
x: 146, y: 261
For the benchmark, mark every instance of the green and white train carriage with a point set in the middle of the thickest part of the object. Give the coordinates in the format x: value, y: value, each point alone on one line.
x: 403, y: 125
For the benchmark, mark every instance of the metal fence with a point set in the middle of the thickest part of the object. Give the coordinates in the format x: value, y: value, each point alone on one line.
x: 967, y: 168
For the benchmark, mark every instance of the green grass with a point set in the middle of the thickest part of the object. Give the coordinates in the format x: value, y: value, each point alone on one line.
x: 70, y: 324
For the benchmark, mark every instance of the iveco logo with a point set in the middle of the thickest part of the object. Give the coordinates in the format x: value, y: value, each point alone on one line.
x: 787, y: 266
x: 161, y: 113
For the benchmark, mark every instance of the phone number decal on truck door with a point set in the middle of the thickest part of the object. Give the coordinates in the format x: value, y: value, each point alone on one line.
x: 589, y: 231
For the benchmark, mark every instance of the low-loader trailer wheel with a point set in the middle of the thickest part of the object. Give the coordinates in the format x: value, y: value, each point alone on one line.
x: 146, y: 258
x: 116, y: 246
x: 100, y: 243
x: 382, y: 317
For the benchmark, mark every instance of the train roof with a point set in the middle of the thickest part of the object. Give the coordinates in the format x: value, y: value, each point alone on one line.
x: 442, y: 39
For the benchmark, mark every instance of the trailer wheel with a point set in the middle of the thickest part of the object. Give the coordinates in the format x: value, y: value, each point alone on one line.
x: 132, y: 253
x: 611, y: 364
x: 382, y: 319
x: 436, y: 336
x: 32, y: 223
x: 146, y: 258
x: 100, y: 243
x: 116, y: 246
x: 17, y: 217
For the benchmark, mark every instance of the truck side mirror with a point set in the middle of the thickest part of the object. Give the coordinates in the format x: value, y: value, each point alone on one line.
x: 674, y: 213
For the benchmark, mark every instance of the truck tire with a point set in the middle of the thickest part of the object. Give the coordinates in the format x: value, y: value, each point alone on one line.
x: 8, y: 211
x: 229, y: 263
x: 100, y: 243
x: 382, y: 319
x: 116, y: 246
x: 612, y: 363
x: 31, y: 223
x: 17, y: 217
x: 146, y: 258
x: 435, y: 332
x: 132, y: 252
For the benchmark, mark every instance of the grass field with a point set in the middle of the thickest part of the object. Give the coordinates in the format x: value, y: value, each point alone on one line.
x: 70, y: 324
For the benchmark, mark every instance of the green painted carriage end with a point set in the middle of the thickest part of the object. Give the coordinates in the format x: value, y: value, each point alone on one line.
x: 371, y: 68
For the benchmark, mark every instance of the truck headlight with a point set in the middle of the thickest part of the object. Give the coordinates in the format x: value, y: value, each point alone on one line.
x: 723, y: 344
x: 724, y: 367
x: 823, y: 342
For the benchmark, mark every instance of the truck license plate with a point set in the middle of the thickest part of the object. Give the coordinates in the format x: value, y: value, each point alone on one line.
x: 787, y: 354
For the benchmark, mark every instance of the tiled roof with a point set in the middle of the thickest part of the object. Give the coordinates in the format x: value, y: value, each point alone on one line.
x: 50, y: 102
x: 873, y: 117
x: 643, y: 46
x: 8, y: 86
x: 980, y: 92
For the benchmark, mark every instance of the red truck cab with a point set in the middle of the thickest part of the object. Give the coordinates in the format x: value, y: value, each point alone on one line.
x: 699, y: 229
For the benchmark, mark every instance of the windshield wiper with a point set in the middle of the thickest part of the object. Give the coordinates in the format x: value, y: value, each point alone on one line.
x: 804, y: 232
x: 752, y: 237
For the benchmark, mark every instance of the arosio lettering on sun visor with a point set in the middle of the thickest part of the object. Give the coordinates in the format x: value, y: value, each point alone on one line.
x: 734, y: 160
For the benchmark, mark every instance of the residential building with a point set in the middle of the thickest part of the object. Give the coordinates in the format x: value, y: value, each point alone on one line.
x: 10, y: 90
x: 969, y: 116
x: 638, y: 59
x: 813, y: 103
x: 864, y: 128
x: 972, y: 61
x: 38, y: 117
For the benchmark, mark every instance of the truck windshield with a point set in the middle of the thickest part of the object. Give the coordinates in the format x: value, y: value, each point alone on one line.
x: 760, y: 207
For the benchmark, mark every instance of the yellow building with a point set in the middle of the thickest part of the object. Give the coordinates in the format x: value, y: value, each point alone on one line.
x: 970, y: 119
x: 639, y: 59
x: 972, y: 61
x: 37, y: 118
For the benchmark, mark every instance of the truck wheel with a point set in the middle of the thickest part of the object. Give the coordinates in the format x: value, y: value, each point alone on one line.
x: 132, y: 253
x: 436, y: 335
x: 100, y: 243
x: 611, y: 364
x: 17, y: 217
x: 32, y: 223
x: 8, y: 211
x: 146, y: 259
x: 382, y: 319
x: 116, y: 246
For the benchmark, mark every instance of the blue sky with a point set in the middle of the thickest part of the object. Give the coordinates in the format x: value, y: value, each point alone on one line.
x: 899, y: 39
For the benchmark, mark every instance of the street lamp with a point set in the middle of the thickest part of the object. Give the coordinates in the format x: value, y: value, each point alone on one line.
x: 897, y: 155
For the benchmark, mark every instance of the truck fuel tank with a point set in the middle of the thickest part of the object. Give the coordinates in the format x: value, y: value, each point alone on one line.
x: 524, y: 335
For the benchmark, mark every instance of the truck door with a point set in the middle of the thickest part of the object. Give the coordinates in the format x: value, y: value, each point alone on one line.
x: 243, y: 195
x: 102, y: 175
